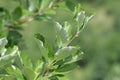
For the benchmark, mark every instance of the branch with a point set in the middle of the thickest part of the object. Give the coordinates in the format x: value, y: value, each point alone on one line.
x: 75, y: 36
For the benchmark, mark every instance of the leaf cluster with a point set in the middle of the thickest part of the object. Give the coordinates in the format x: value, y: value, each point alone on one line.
x: 55, y: 61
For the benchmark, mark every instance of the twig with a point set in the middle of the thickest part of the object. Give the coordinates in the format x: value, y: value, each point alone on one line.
x: 31, y: 17
x: 75, y: 36
x: 47, y: 69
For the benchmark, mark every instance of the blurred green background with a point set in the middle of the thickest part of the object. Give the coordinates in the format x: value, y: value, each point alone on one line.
x: 100, y: 40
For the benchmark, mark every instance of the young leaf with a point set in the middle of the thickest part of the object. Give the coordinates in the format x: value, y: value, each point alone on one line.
x: 7, y: 58
x: 61, y: 35
x: 77, y: 9
x: 18, y: 61
x: 58, y: 27
x: 85, y: 22
x: 41, y: 73
x: 3, y: 51
x: 88, y: 19
x: 17, y: 13
x: 3, y: 42
x: 65, y: 52
x: 80, y: 18
x: 14, y: 71
x: 59, y: 42
x: 38, y: 66
x: 61, y: 32
x: 68, y: 29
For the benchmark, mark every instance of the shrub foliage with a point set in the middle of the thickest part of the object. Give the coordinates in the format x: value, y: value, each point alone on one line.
x: 56, y: 60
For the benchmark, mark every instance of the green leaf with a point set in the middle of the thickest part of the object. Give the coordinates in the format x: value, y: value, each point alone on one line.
x: 59, y: 42
x: 3, y: 42
x: 38, y: 66
x: 18, y: 61
x: 14, y: 37
x: 17, y: 13
x: 65, y: 52
x: 14, y: 71
x: 59, y: 75
x: 88, y: 19
x: 75, y: 58
x: 49, y: 48
x: 85, y: 22
x: 26, y: 66
x: 66, y: 67
x: 3, y: 51
x: 70, y: 59
x: 61, y: 32
x: 77, y: 9
x: 60, y: 62
x: 29, y: 73
x: 26, y: 61
x: 7, y: 58
x: 61, y: 35
x: 40, y: 37
x: 80, y: 18
x: 43, y: 50
x: 41, y: 73
x: 68, y: 29
x: 58, y: 27
x: 42, y: 45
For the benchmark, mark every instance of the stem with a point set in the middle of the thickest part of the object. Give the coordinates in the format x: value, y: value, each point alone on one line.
x: 47, y: 69
x: 75, y: 36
